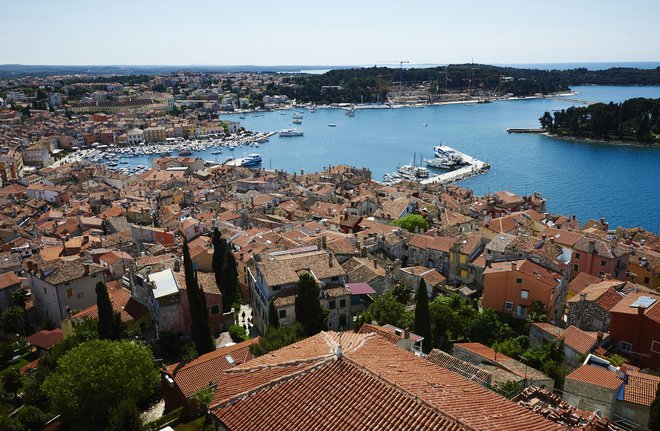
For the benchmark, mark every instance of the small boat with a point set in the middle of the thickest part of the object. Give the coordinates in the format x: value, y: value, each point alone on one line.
x: 297, y: 121
x: 332, y: 125
x: 297, y: 116
x: 185, y: 153
x: 216, y: 152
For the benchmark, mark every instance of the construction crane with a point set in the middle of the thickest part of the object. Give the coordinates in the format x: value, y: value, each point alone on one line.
x: 401, y: 76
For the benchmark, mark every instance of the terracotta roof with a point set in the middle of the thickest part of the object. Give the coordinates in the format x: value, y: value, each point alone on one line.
x: 641, y: 388
x: 284, y: 269
x: 603, y: 294
x: 625, y: 305
x: 578, y: 340
x: 596, y: 376
x: 46, y: 339
x: 9, y: 279
x: 122, y: 302
x: 483, y: 351
x: 551, y: 329
x: 465, y: 369
x: 191, y: 376
x: 370, y: 385
x: 562, y: 236
x: 581, y: 281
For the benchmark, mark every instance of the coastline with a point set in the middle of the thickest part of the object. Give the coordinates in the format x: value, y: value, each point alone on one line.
x: 612, y: 142
x: 416, y: 105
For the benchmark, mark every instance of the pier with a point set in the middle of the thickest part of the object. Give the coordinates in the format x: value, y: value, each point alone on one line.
x: 524, y: 130
x: 473, y: 167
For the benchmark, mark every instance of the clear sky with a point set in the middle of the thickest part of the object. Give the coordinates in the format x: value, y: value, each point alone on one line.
x: 337, y: 32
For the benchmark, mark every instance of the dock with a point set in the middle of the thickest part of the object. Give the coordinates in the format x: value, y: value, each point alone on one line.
x: 524, y: 130
x: 473, y: 167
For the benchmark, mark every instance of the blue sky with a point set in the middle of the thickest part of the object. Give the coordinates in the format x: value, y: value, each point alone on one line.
x: 339, y: 32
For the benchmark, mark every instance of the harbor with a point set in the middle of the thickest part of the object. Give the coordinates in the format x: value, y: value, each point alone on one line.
x: 470, y: 168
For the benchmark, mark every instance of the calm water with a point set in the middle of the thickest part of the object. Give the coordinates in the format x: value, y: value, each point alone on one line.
x: 620, y: 183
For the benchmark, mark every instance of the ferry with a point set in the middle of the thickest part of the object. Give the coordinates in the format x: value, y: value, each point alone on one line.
x: 290, y: 132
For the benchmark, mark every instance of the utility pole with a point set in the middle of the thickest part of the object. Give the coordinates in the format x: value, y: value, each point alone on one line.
x: 401, y: 76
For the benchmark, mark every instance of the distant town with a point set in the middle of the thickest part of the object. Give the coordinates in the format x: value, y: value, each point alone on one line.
x: 192, y: 294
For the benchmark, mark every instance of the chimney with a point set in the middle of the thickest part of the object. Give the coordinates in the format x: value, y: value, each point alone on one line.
x: 599, y: 338
x: 363, y: 251
x: 375, y: 264
x: 86, y: 266
x: 330, y: 260
x: 323, y: 242
x: 406, y: 333
x: 177, y: 265
x: 583, y: 296
x: 513, y: 266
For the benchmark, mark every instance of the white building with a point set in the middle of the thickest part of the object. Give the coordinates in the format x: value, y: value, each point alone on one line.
x: 62, y: 286
x: 54, y: 99
x: 134, y: 136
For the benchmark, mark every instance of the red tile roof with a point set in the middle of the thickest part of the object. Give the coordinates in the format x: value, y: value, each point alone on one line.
x: 46, y: 339
x: 578, y: 340
x: 641, y: 388
x: 596, y: 376
x: 371, y: 384
x: 191, y: 376
x: 483, y: 351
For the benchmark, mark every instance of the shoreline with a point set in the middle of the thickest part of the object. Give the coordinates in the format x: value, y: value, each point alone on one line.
x: 613, y: 142
x: 416, y: 105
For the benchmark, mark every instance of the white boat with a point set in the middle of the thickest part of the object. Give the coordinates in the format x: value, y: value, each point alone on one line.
x: 411, y: 172
x: 448, y: 156
x: 297, y: 116
x: 251, y: 160
x: 290, y: 132
x: 297, y: 121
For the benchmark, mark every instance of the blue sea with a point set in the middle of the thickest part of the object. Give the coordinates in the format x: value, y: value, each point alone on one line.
x: 589, y: 180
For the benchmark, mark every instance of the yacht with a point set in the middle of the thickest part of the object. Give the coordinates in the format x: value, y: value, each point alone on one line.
x: 449, y: 156
x: 251, y: 160
x: 297, y: 116
x: 290, y: 132
x: 411, y: 172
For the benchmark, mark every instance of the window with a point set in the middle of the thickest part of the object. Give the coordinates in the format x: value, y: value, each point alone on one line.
x: 603, y: 263
x: 276, y: 288
x: 577, y: 255
x: 576, y: 267
x: 69, y: 293
x: 282, y: 314
x: 334, y: 279
x: 655, y: 346
x: 524, y: 294
x: 81, y: 295
x: 521, y: 311
x: 508, y: 306
x: 646, y: 280
x: 342, y: 303
x: 332, y: 304
x: 518, y: 280
x: 214, y: 309
x: 625, y: 347
x: 45, y: 291
x: 601, y: 274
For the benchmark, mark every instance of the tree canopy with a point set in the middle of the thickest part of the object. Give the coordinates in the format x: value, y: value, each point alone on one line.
x: 412, y: 223
x: 309, y: 312
x: 422, y: 319
x: 92, y: 375
x: 110, y: 326
x: 386, y: 309
x: 200, y: 331
x: 635, y: 119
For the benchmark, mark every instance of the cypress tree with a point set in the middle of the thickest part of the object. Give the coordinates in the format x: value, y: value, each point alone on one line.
x: 110, y: 325
x: 273, y: 317
x: 309, y: 312
x: 422, y: 319
x: 654, y: 411
x: 228, y: 279
x: 200, y: 331
x: 219, y: 245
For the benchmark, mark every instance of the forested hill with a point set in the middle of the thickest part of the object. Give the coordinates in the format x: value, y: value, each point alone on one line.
x: 633, y: 120
x: 373, y: 84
